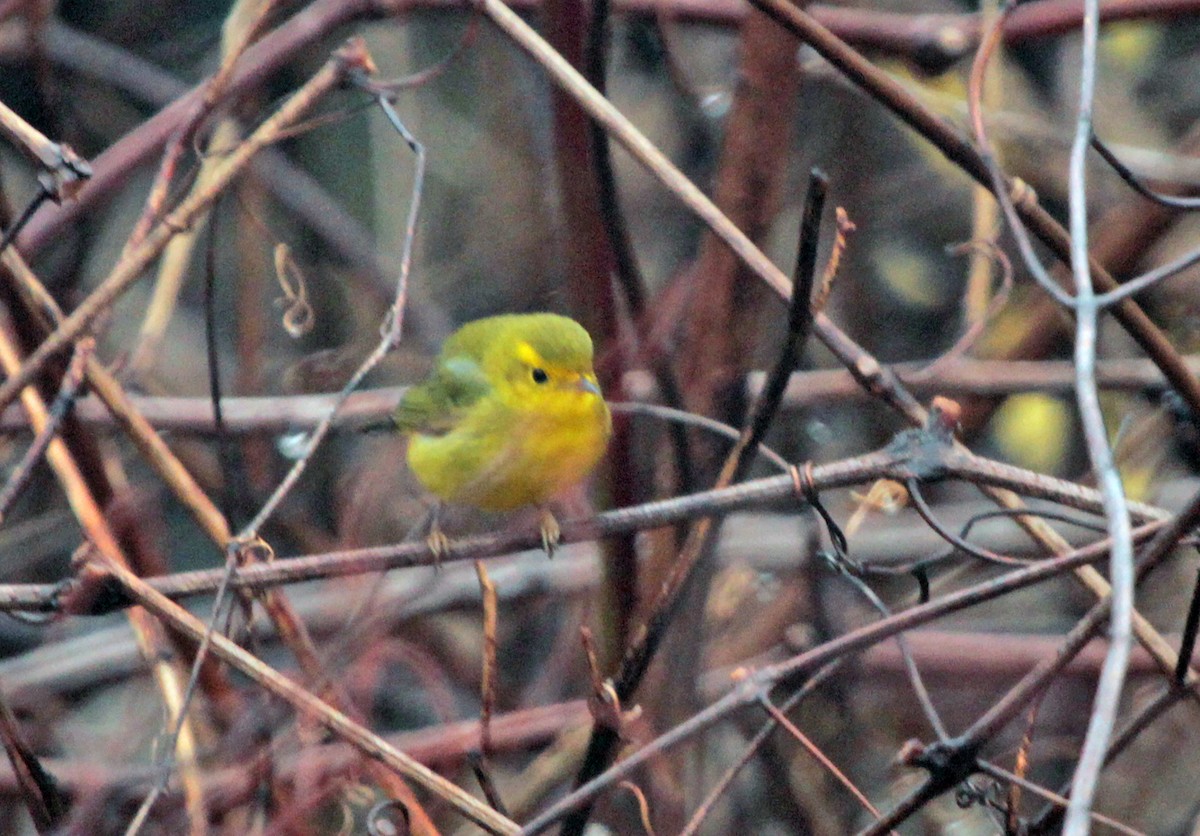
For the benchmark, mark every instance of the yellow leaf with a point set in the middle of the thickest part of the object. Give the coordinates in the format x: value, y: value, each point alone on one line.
x: 1034, y: 431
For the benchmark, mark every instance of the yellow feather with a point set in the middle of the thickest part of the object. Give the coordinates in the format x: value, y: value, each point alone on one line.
x: 538, y: 427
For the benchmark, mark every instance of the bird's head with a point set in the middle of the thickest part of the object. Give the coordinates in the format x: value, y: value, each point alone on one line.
x: 548, y: 358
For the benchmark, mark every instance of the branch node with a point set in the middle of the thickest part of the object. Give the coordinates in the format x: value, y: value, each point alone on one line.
x: 944, y: 417
x: 949, y: 763
x: 606, y: 710
x: 355, y: 60
x: 868, y: 369
x: 804, y: 483
x: 921, y: 454
x: 66, y: 175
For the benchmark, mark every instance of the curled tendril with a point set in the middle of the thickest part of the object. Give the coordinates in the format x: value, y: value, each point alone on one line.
x: 968, y: 795
x: 298, y: 317
x: 380, y: 822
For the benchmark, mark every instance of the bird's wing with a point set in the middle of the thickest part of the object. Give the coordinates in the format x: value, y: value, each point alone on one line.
x: 438, y: 404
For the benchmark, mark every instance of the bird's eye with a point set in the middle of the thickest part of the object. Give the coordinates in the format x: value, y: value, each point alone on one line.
x: 540, y: 376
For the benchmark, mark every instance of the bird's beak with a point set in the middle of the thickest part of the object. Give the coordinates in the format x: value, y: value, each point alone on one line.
x: 586, y: 383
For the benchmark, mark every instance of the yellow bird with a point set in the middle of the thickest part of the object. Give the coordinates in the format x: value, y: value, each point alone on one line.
x: 511, y: 416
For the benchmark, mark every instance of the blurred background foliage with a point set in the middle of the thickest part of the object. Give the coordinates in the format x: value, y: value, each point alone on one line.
x: 493, y: 237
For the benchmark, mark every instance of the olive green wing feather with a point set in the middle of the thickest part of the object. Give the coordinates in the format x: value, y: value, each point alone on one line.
x: 436, y: 405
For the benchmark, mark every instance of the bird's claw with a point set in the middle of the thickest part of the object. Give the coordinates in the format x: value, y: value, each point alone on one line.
x: 551, y: 533
x: 439, y: 544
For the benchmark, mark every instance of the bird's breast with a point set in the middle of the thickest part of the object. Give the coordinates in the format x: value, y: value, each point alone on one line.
x: 512, y: 455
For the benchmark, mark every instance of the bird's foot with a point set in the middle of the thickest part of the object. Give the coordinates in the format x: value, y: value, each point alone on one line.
x: 551, y: 533
x: 439, y: 544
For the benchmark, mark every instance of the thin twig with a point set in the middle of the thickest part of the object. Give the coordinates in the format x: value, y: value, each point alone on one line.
x: 133, y: 264
x: 310, y: 706
x: 959, y: 151
x: 1001, y: 774
x: 910, y: 665
x: 37, y: 785
x: 1173, y: 201
x: 959, y: 376
x: 57, y: 413
x: 487, y: 685
x: 1187, y: 642
x: 752, y: 747
x: 213, y: 90
x: 893, y: 464
x: 1112, y: 676
x: 32, y: 206
x: 649, y: 636
x: 391, y: 329
x: 958, y: 541
x: 816, y: 752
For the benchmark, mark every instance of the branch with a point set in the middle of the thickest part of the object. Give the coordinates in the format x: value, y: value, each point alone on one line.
x: 133, y: 263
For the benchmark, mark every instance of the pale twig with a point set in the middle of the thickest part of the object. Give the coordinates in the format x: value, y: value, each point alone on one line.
x: 1151, y: 277
x: 243, y: 24
x: 680, y: 416
x: 213, y: 89
x: 1112, y: 676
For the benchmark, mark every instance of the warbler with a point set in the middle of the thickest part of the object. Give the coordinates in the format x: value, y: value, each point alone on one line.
x: 511, y: 415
